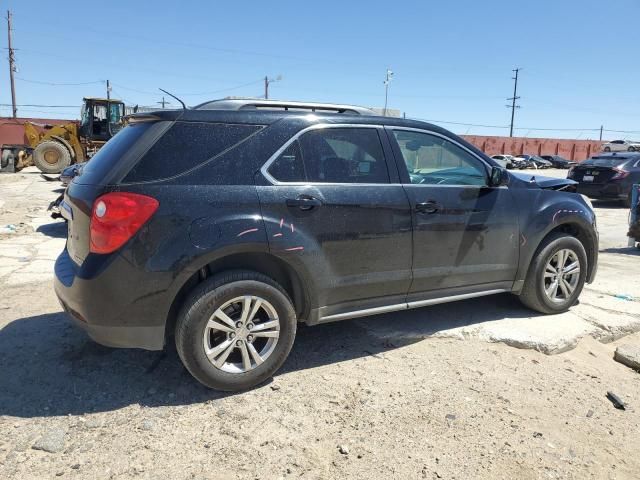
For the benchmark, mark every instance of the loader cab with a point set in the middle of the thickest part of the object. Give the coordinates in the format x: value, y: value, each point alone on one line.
x: 100, y: 118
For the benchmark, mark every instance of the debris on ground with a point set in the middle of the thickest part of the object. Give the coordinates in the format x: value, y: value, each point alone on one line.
x: 343, y: 449
x: 52, y: 441
x: 616, y: 400
x: 624, y: 296
x: 628, y: 355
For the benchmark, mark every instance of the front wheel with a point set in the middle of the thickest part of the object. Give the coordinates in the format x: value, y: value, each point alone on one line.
x: 556, y: 275
x: 235, y: 330
x: 607, y: 149
x: 51, y: 156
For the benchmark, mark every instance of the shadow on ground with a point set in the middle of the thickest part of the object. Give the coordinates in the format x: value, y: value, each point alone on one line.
x: 623, y: 250
x: 50, y: 368
x: 53, y: 229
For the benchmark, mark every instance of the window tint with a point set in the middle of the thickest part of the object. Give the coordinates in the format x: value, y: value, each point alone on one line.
x: 333, y: 155
x: 289, y: 167
x: 109, y: 155
x: 186, y: 145
x: 434, y: 160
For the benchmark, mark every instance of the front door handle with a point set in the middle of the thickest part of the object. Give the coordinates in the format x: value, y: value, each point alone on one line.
x: 427, y: 207
x: 304, y: 202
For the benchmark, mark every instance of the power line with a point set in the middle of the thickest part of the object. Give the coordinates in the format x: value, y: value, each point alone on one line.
x: 37, y: 105
x: 55, y: 84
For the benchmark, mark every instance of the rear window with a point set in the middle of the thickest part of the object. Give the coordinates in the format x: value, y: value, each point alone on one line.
x: 185, y: 146
x: 103, y: 161
x: 605, y: 161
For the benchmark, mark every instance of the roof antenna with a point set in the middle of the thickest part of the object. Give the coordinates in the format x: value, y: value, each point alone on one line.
x: 184, y: 107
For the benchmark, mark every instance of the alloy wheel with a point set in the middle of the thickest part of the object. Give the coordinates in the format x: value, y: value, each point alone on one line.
x: 561, y: 275
x: 241, y: 334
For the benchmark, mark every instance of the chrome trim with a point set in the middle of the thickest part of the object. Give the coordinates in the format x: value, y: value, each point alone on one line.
x: 453, y: 298
x: 363, y: 313
x: 319, y: 126
x: 407, y: 306
x: 431, y: 132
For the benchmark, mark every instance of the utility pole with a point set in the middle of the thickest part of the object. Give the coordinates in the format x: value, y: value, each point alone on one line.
x: 386, y: 82
x: 601, y: 129
x: 164, y: 102
x: 267, y: 82
x: 108, y: 90
x: 12, y: 66
x: 513, y: 99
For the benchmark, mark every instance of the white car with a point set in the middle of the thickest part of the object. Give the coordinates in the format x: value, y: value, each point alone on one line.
x: 621, y: 146
x: 505, y: 161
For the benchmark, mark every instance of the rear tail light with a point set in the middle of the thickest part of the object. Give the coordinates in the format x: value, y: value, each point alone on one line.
x: 116, y: 217
x: 619, y: 174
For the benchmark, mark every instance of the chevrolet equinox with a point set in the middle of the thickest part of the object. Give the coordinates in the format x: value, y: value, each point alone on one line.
x: 224, y: 225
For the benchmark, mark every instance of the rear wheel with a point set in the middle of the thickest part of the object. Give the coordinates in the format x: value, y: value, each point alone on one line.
x: 235, y: 330
x: 607, y: 149
x: 556, y: 275
x: 51, y: 156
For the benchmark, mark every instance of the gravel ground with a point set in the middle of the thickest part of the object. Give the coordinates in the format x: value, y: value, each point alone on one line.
x: 429, y: 397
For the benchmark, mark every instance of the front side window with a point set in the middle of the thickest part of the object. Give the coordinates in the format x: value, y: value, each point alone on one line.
x: 434, y: 160
x: 333, y: 155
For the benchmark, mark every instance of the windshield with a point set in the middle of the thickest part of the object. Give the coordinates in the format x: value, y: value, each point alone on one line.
x: 605, y: 161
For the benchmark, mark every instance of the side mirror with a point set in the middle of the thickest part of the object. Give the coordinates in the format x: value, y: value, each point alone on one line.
x: 498, y: 177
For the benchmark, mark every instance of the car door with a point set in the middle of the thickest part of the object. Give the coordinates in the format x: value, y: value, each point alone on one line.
x: 466, y: 236
x: 334, y: 208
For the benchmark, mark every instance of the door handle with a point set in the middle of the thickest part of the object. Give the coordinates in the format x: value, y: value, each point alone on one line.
x: 427, y: 207
x: 304, y: 202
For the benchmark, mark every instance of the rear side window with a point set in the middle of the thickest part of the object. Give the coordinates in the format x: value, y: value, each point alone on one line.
x: 333, y: 155
x: 185, y: 146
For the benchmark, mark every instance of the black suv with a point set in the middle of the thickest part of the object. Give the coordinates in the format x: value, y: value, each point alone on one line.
x: 229, y: 223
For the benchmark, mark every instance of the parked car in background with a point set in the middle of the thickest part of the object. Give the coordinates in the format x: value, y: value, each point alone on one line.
x: 223, y: 226
x: 534, y: 161
x: 621, y: 146
x: 557, y: 161
x: 506, y: 161
x: 608, y: 176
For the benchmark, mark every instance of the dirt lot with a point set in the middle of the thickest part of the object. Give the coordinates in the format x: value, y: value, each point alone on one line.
x: 432, y: 393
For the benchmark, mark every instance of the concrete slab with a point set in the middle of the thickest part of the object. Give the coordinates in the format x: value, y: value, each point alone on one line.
x: 628, y: 355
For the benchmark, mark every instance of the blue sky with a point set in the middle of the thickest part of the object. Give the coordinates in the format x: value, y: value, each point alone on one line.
x: 452, y: 60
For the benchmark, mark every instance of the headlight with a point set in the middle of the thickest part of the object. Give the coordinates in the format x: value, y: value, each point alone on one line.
x: 587, y: 200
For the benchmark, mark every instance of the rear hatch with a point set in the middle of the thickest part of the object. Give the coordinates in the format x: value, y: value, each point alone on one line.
x: 598, y: 170
x: 105, y: 168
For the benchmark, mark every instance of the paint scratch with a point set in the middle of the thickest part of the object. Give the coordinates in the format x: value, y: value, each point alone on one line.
x: 251, y: 230
x: 277, y: 234
x: 292, y: 230
x: 293, y: 249
x: 281, y: 222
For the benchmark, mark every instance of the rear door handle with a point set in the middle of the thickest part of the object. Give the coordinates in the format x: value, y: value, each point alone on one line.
x: 304, y: 202
x: 427, y: 207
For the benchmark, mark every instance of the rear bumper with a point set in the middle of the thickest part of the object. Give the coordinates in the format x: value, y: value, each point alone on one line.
x: 110, y: 305
x: 604, y: 190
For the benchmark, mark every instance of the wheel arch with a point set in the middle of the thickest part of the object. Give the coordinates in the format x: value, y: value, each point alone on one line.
x: 576, y: 228
x: 261, y: 262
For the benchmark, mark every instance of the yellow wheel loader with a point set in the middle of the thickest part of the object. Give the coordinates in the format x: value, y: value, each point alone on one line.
x: 54, y: 148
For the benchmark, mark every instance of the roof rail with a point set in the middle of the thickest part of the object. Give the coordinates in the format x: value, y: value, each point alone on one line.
x: 261, y: 104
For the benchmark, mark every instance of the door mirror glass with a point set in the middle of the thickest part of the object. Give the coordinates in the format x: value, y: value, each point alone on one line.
x: 499, y: 177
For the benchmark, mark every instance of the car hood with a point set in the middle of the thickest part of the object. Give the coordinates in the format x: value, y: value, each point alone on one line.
x: 541, y: 181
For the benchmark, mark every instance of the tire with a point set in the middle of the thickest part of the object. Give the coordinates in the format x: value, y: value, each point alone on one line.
x: 193, y: 335
x: 51, y: 156
x: 533, y: 293
x: 606, y: 149
x: 631, y: 149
